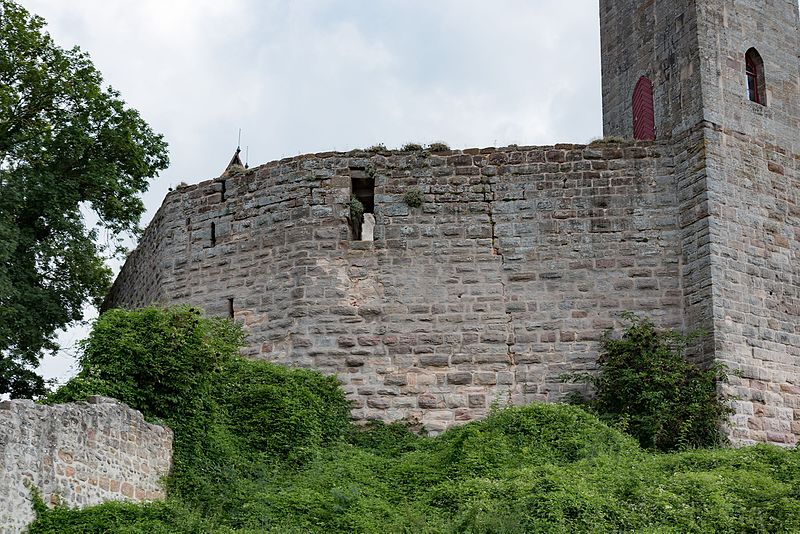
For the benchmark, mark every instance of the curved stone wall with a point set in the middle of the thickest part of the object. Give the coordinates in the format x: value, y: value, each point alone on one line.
x: 499, y: 284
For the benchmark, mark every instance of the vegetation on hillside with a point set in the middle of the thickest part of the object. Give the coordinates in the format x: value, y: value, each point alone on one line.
x: 261, y: 448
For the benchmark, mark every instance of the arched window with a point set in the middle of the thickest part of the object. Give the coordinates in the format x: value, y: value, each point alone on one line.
x: 754, y: 71
x: 644, y: 123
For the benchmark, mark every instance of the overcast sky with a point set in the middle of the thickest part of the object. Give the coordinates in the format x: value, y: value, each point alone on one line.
x: 302, y: 76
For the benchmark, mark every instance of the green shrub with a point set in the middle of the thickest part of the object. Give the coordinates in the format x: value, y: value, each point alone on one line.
x: 123, y: 517
x: 155, y: 360
x: 378, y: 147
x: 379, y: 438
x: 438, y: 146
x: 411, y: 147
x: 648, y: 387
x: 284, y: 413
x: 413, y: 197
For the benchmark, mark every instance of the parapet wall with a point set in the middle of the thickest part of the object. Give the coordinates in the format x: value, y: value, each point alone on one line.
x: 499, y: 284
x: 77, y: 455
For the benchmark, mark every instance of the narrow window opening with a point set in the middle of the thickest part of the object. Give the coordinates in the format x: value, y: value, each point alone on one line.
x: 644, y: 122
x: 363, y: 201
x: 213, y: 234
x: 754, y: 75
x: 222, y: 190
x: 230, y: 308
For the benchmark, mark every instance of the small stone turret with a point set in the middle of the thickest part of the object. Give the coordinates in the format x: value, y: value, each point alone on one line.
x: 235, y: 166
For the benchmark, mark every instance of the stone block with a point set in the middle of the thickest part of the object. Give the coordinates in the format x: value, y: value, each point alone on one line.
x: 459, y: 378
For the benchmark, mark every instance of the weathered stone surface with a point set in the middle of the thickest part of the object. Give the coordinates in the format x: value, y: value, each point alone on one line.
x: 460, y: 296
x: 737, y: 177
x: 77, y: 455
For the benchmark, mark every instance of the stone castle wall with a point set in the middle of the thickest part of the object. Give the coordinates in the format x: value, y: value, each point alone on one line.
x: 519, y: 258
x: 77, y: 455
x: 755, y: 213
x: 499, y: 284
x: 753, y: 155
x: 738, y: 181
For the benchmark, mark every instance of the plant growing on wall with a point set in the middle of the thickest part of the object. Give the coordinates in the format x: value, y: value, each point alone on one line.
x: 413, y: 197
x: 609, y: 140
x: 356, y: 209
x: 411, y: 147
x: 438, y: 147
x: 649, y: 388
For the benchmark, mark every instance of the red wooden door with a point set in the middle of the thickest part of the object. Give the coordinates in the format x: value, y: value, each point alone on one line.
x: 644, y: 122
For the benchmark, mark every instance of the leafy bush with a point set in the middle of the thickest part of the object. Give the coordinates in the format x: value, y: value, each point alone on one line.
x: 378, y: 147
x: 114, y: 516
x: 281, y: 412
x: 156, y: 361
x: 649, y: 388
x: 413, y: 197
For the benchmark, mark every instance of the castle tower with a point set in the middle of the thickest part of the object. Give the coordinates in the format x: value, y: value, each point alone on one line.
x: 720, y: 80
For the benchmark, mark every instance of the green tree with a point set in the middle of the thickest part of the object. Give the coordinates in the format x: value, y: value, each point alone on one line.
x: 67, y: 144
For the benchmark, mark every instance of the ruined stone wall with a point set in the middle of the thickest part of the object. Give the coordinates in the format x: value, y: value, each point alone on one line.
x: 501, y: 282
x: 77, y: 454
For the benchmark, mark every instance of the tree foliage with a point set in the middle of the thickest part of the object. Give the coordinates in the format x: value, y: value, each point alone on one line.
x: 66, y: 144
x: 158, y: 361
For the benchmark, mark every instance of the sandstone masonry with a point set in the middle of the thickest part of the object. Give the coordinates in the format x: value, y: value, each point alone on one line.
x: 737, y: 177
x: 77, y: 455
x: 519, y: 258
x: 501, y: 282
